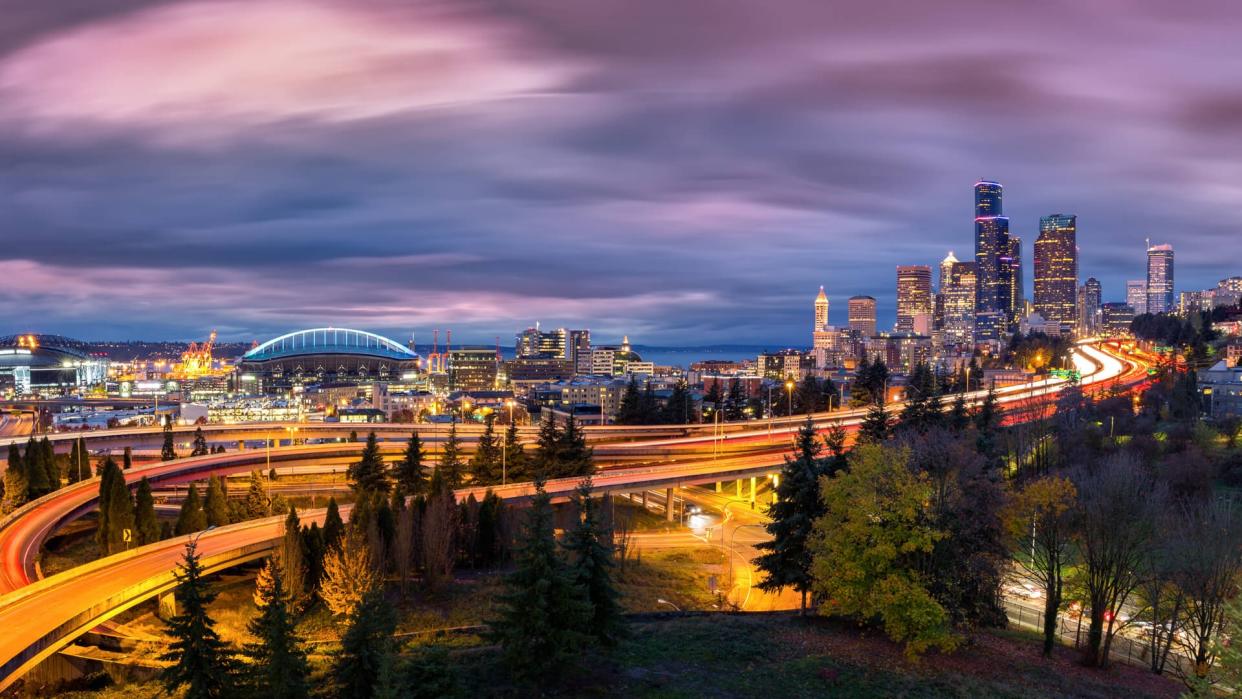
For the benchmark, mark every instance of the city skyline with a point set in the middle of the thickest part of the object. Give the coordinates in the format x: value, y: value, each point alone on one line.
x: 677, y: 197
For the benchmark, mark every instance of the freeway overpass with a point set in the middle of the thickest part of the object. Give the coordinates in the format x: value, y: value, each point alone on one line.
x: 44, y: 616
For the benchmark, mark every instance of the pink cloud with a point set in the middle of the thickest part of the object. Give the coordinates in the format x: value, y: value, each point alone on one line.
x: 217, y: 64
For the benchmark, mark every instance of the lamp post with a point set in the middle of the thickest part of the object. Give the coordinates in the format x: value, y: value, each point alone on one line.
x: 789, y: 387
x: 504, y: 447
x: 664, y: 601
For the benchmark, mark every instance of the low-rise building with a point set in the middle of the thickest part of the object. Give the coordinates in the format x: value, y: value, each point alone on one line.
x: 1221, y: 388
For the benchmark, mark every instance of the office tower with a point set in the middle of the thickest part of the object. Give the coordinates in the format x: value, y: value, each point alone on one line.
x: 957, y: 293
x: 1231, y: 284
x: 1136, y: 296
x: 862, y: 315
x: 533, y: 342
x: 821, y: 310
x: 1056, y: 270
x: 1160, y: 279
x: 1090, y: 295
x: 1017, y: 295
x: 946, y: 270
x: 578, y: 350
x: 994, y: 297
x: 914, y: 300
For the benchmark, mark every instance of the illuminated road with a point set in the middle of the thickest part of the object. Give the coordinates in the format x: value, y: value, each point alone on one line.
x: 40, y: 617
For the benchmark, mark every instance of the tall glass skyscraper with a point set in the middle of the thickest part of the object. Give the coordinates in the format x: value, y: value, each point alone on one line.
x: 994, y: 299
x: 1160, y: 279
x: 1056, y: 270
x: 914, y: 299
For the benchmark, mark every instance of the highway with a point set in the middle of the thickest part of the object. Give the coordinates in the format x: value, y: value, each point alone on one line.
x: 42, y: 616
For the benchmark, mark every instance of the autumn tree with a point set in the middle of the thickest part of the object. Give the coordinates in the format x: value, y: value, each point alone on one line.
x: 1039, y: 519
x: 349, y: 574
x: 867, y: 545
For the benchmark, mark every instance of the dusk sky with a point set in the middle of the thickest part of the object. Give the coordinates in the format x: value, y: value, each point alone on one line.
x: 687, y: 172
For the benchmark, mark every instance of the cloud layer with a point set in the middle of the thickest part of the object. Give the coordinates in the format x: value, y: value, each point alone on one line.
x: 682, y: 172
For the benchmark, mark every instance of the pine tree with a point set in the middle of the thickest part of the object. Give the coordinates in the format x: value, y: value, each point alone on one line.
x: 105, y: 531
x: 278, y: 666
x: 787, y: 562
x: 47, y: 457
x: 37, y: 482
x: 216, y: 507
x: 191, y: 518
x: 333, y: 525
x: 987, y: 423
x: 575, y: 458
x: 450, y: 467
x: 630, y: 410
x: 649, y: 407
x: 488, y: 544
x: 678, y: 409
x: 958, y: 418
x: 485, y: 463
x: 548, y: 449
x: 168, y: 451
x: 411, y: 480
x: 735, y: 402
x: 513, y: 456
x: 146, y: 524
x: 368, y: 473
x: 201, y: 662
x: 292, y: 557
x: 200, y: 443
x: 366, y: 655
x: 541, y: 611
x: 590, y: 550
x: 838, y: 456
x: 15, y: 480
x: 876, y: 426
x: 257, y: 504
x: 127, y: 458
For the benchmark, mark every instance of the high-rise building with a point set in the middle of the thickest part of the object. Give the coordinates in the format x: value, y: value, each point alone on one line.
x: 994, y: 296
x: 1136, y: 296
x: 914, y: 299
x: 1090, y: 295
x: 1231, y: 284
x: 821, y: 310
x: 1056, y: 270
x: 578, y: 351
x: 533, y: 342
x: 1017, y: 296
x: 862, y: 315
x: 1160, y: 279
x: 957, y: 294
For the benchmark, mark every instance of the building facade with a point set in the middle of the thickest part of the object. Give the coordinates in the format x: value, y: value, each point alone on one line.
x: 914, y: 298
x: 1090, y: 296
x: 862, y: 315
x: 993, y: 258
x: 957, y: 293
x: 1056, y: 270
x: 1136, y: 295
x: 1160, y: 279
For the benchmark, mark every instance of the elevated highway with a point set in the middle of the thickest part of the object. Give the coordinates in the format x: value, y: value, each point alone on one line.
x: 43, y: 616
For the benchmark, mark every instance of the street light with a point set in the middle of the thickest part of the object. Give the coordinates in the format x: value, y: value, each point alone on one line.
x: 504, y: 446
x: 789, y: 387
x: 664, y: 601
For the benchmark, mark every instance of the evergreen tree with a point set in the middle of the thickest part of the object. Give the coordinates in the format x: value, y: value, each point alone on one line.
x: 313, y: 551
x: 485, y: 463
x: 787, y: 562
x: 451, y: 467
x: 79, y: 468
x: 168, y: 451
x: 630, y: 410
x: 590, y: 549
x: 838, y: 457
x: 860, y: 392
x: 987, y: 424
x: 37, y: 482
x: 333, y: 525
x: 876, y: 426
x: 958, y: 418
x: 292, y: 557
x: 257, y: 504
x: 513, y: 455
x: 146, y: 524
x: 216, y: 507
x: 200, y: 443
x: 735, y: 402
x: 541, y: 611
x: 127, y: 458
x: 15, y: 479
x: 714, y: 397
x: 368, y: 473
x: 106, y: 532
x: 649, y: 407
x: 488, y: 544
x: 574, y: 458
x: 278, y: 667
x: 367, y: 649
x: 47, y: 457
x: 678, y: 410
x: 547, y: 448
x: 201, y: 662
x: 191, y: 518
x: 411, y: 480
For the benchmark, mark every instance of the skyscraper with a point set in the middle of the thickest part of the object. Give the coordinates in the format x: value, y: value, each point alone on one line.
x: 994, y: 295
x: 1017, y: 296
x: 1089, y: 298
x: 1160, y: 279
x: 914, y: 299
x: 862, y: 315
x: 1056, y: 270
x: 1136, y: 295
x: 957, y: 293
x: 821, y: 310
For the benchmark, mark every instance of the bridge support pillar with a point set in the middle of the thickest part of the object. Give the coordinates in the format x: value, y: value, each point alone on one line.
x: 752, y: 490
x: 719, y: 486
x: 668, y: 504
x: 241, y: 445
x: 644, y: 499
x: 738, y: 483
x: 168, y: 606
